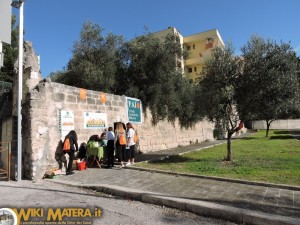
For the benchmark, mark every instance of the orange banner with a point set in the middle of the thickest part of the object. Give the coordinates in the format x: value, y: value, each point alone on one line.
x: 102, y: 97
x: 82, y: 93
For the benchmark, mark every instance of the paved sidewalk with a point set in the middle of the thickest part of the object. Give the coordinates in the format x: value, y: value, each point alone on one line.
x: 249, y: 203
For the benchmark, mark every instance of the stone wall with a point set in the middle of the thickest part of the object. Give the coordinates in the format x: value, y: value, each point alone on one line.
x: 41, y: 132
x: 277, y: 124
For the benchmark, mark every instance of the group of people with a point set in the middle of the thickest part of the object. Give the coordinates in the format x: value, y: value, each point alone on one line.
x: 125, y: 150
x: 120, y: 145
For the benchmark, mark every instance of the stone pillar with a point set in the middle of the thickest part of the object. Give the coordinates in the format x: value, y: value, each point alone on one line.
x: 31, y: 77
x: 31, y: 74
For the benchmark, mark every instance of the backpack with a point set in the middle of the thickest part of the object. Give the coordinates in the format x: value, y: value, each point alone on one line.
x: 122, y: 139
x: 67, y: 145
x: 135, y: 138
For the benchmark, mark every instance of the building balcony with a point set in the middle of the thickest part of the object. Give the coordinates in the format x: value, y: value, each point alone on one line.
x: 198, y: 58
x: 194, y: 61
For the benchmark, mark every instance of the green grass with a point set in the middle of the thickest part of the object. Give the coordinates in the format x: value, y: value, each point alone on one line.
x: 275, y: 159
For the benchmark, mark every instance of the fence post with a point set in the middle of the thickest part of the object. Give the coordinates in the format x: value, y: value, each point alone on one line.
x: 8, y: 159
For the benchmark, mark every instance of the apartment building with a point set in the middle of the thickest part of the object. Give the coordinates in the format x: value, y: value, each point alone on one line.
x: 172, y: 30
x: 198, y: 46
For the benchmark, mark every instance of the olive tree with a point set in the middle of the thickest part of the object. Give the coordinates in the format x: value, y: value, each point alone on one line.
x: 94, y: 62
x: 269, y: 86
x: 10, y: 53
x: 216, y: 92
x: 153, y: 77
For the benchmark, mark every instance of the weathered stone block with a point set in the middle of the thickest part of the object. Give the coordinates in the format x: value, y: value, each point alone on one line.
x: 60, y: 97
x: 71, y: 98
x: 91, y: 101
x: 81, y: 101
x: 71, y: 107
x: 90, y: 94
x: 115, y: 103
x: 38, y: 104
x: 108, y: 103
x: 110, y: 109
x: 92, y: 108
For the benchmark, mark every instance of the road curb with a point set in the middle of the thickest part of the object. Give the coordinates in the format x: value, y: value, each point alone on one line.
x: 281, y: 186
x: 198, y: 207
x: 257, y: 183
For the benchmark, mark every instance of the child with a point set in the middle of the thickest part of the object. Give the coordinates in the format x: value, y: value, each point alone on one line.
x: 103, y: 140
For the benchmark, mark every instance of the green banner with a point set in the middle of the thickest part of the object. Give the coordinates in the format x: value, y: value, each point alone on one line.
x: 134, y: 110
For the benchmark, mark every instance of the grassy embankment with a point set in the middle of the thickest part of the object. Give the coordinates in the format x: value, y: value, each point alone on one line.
x: 275, y: 159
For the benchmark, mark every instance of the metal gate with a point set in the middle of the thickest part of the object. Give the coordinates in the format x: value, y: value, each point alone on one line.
x: 5, y: 163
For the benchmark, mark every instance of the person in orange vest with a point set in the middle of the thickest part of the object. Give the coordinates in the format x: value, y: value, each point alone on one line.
x: 120, y: 143
x: 69, y: 147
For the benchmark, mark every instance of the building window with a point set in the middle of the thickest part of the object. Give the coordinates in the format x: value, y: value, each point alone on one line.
x: 209, y: 40
x: 188, y: 47
x: 194, y: 46
x: 195, y: 69
x: 190, y: 70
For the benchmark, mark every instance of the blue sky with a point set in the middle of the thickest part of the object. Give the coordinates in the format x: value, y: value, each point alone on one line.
x: 53, y: 26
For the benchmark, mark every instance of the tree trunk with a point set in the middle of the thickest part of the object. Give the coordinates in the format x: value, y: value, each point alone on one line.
x: 268, y: 127
x: 230, y: 133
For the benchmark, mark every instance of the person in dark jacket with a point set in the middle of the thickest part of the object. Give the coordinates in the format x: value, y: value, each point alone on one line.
x: 82, y: 151
x: 72, y: 136
x: 110, y: 135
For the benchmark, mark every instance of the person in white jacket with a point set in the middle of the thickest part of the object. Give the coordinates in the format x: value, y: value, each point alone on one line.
x: 130, y: 150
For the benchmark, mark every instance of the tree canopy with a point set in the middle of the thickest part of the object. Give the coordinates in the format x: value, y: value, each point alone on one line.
x: 153, y: 76
x: 10, y: 54
x: 269, y: 87
x: 216, y: 92
x: 144, y: 67
x: 94, y: 63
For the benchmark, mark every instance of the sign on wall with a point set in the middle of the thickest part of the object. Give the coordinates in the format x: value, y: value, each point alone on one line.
x: 134, y: 110
x: 66, y: 122
x: 94, y: 120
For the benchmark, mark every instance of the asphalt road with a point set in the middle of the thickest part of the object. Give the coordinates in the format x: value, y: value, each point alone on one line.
x: 115, y: 211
